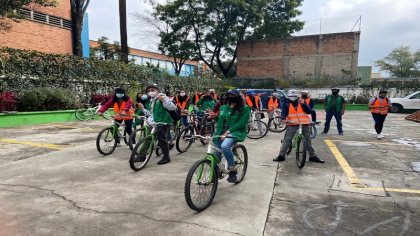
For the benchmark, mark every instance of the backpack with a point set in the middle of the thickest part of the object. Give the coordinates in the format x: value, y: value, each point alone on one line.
x: 175, y: 115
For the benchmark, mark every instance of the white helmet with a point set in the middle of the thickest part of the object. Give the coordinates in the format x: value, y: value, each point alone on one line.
x: 305, y: 91
x: 292, y: 94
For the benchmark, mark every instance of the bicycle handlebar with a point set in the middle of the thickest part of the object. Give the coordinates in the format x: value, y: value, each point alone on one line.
x: 211, y: 137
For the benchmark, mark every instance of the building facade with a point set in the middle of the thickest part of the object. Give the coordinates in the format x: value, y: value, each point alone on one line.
x: 44, y: 29
x: 312, y: 57
x: 162, y: 61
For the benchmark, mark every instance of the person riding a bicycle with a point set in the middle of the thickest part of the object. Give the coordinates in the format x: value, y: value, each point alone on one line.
x: 158, y: 112
x: 206, y: 102
x: 183, y: 103
x: 310, y: 103
x: 295, y: 112
x: 231, y: 128
x: 142, y: 99
x: 123, y: 109
x: 255, y: 103
x: 273, y: 103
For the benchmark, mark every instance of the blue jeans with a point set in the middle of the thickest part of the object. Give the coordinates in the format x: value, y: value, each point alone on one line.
x: 184, y: 120
x: 226, y: 147
x: 328, y: 118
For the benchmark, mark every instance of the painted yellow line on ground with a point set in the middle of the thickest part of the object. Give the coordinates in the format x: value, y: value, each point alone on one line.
x: 380, y: 143
x: 33, y: 144
x: 353, y: 179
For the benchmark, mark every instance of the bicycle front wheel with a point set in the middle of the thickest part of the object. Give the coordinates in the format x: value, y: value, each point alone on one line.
x: 275, y: 125
x: 141, y: 153
x: 200, y: 185
x: 185, y: 139
x: 301, y: 152
x: 257, y: 129
x: 105, y: 142
x: 82, y: 114
x: 241, y: 161
x: 207, y: 130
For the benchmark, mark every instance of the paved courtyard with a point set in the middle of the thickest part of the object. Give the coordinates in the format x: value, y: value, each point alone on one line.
x: 54, y: 182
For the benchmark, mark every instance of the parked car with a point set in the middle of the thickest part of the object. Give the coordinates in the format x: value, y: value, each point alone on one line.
x: 410, y: 102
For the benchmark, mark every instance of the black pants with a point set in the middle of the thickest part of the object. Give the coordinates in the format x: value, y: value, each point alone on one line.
x: 162, y: 132
x: 379, y: 122
x: 128, y: 125
x: 313, y: 115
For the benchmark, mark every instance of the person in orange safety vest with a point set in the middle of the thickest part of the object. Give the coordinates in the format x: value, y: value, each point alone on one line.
x: 295, y: 112
x: 123, y: 109
x: 379, y: 107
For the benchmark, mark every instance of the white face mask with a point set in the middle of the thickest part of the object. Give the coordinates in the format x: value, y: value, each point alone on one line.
x: 293, y: 98
x: 152, y: 94
x: 182, y: 94
x: 119, y: 95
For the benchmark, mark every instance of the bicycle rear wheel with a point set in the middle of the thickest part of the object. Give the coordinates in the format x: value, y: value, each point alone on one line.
x: 184, y: 139
x: 135, y: 136
x: 301, y: 152
x: 313, y: 131
x: 257, y: 129
x: 275, y: 125
x: 82, y: 114
x: 141, y: 153
x: 241, y: 161
x: 105, y: 142
x: 200, y: 186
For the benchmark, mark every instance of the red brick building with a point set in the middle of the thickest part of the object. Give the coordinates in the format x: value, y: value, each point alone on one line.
x: 331, y: 56
x: 45, y: 29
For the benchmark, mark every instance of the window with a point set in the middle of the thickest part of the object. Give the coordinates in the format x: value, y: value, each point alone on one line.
x: 415, y: 96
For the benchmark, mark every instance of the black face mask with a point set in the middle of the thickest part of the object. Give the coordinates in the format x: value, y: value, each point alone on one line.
x: 304, y: 96
x: 334, y: 93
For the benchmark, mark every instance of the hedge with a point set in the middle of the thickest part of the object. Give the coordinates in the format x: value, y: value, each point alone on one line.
x: 22, y: 70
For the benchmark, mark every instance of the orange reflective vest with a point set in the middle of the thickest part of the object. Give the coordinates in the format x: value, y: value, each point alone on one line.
x: 196, y: 98
x: 273, y: 103
x: 307, y: 101
x: 296, y: 117
x: 118, y: 109
x: 249, y: 101
x: 380, y: 107
x: 183, y: 104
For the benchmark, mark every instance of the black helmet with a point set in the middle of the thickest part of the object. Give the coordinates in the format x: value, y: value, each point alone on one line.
x: 233, y: 93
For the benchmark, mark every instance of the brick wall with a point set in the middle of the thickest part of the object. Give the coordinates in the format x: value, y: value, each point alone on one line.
x: 41, y: 37
x: 332, y: 56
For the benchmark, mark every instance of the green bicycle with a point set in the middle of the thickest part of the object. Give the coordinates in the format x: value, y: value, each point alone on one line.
x: 202, y: 179
x: 108, y: 138
x: 143, y: 150
x: 299, y: 143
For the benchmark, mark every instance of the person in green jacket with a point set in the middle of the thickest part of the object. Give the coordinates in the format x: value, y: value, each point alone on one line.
x: 157, y: 112
x: 334, y: 105
x: 206, y: 102
x: 231, y: 127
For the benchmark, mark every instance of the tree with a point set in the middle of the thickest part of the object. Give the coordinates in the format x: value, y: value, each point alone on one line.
x: 280, y: 15
x: 217, y: 26
x: 401, y: 62
x: 78, y: 10
x: 123, y: 30
x: 9, y: 10
x: 106, y: 50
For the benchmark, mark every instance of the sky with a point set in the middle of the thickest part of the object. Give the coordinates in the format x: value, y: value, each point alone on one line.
x: 385, y: 24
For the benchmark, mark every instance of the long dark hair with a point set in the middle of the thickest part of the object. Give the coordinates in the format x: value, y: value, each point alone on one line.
x: 240, y: 103
x: 182, y: 99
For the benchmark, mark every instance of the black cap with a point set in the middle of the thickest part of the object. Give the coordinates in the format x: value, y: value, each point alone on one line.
x: 383, y: 91
x: 155, y: 86
x: 119, y: 90
x: 233, y: 92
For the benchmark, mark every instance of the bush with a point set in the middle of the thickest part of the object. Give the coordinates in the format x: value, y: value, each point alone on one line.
x: 8, y: 101
x: 47, y: 99
x: 362, y: 100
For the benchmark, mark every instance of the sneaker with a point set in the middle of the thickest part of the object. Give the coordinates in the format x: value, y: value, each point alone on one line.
x: 341, y: 133
x: 233, y: 176
x: 323, y: 132
x: 164, y: 160
x: 279, y: 158
x: 380, y: 136
x: 316, y: 159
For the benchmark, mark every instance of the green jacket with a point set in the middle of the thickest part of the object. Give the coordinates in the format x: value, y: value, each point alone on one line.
x: 236, y: 122
x: 339, y: 105
x: 160, y: 114
x: 206, y: 104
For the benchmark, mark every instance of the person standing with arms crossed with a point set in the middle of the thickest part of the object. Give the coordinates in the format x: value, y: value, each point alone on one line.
x: 379, y: 107
x: 334, y: 105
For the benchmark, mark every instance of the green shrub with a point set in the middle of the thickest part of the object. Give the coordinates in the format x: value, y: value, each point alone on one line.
x: 47, y: 99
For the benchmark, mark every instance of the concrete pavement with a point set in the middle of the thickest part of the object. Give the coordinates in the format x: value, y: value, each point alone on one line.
x: 54, y: 182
